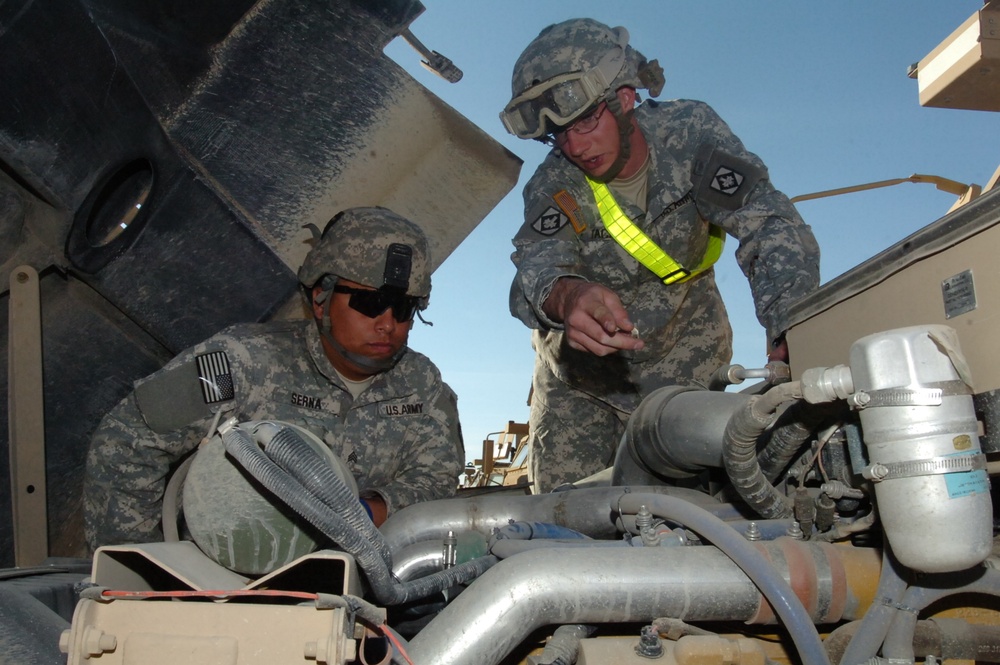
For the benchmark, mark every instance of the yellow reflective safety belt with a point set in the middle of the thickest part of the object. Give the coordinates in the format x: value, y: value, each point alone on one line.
x: 642, y: 248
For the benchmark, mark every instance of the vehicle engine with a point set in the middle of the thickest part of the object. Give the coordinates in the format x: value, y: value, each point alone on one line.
x: 807, y: 521
x: 836, y: 512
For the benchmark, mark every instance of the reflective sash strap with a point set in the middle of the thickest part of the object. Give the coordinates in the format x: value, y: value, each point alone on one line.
x: 642, y: 248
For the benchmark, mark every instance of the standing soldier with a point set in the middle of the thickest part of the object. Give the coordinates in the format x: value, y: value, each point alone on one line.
x: 623, y: 221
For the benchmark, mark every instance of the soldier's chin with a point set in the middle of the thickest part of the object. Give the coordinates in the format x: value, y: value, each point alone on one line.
x: 596, y: 173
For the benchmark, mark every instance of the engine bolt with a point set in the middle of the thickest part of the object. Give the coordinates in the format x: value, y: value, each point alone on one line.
x: 649, y: 645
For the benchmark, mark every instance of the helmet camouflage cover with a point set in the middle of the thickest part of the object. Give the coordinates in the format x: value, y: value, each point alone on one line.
x: 598, y: 55
x: 578, y: 45
x: 371, y: 246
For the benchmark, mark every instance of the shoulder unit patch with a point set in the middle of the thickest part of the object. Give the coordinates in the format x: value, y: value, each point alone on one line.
x: 726, y: 180
x: 723, y: 179
x: 550, y: 221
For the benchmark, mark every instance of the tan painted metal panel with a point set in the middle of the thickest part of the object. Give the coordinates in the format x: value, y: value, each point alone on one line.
x: 914, y: 296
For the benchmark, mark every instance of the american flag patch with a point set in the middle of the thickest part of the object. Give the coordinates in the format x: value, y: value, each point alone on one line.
x: 215, y: 377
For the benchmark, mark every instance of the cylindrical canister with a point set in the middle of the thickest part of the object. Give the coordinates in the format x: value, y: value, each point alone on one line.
x: 920, y: 430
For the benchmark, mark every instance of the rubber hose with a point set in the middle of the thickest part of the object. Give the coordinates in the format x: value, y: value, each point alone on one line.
x: 754, y: 565
x: 354, y: 604
x: 787, y: 437
x: 871, y: 632
x: 289, y: 451
x: 536, y: 531
x: 899, y: 639
x: 239, y: 444
x: 739, y: 456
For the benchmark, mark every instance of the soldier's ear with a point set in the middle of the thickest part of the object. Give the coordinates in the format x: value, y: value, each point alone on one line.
x: 626, y: 97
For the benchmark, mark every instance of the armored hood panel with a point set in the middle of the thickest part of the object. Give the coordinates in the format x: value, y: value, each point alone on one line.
x: 163, y: 158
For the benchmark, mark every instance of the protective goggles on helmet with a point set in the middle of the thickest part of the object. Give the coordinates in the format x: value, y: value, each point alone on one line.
x: 562, y: 98
x: 373, y: 302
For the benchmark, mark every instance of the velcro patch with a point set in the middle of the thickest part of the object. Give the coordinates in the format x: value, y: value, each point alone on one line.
x: 185, y: 392
x: 215, y: 377
x: 550, y: 221
x: 724, y: 179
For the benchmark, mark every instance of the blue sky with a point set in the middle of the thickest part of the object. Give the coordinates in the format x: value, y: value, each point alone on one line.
x: 818, y: 90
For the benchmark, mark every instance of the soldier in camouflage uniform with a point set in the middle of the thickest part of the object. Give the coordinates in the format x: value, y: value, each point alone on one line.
x: 607, y: 330
x: 347, y: 376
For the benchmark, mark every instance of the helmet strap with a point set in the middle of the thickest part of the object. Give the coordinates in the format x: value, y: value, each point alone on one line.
x: 625, y: 129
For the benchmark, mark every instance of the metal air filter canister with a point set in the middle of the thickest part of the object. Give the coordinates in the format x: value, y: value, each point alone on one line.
x: 933, y: 494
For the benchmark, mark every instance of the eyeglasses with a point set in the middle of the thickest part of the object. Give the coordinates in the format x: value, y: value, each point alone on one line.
x: 373, y: 302
x: 585, y: 125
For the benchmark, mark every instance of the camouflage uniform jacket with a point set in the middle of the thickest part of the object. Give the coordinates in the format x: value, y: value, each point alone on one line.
x: 700, y: 173
x: 400, y: 438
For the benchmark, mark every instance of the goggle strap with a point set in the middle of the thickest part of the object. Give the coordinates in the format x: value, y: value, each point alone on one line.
x: 612, y: 62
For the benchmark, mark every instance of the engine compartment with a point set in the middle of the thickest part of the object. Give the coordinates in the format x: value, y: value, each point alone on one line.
x: 807, y: 521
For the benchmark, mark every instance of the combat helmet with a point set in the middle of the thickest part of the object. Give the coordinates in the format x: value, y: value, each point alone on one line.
x: 568, y: 69
x: 377, y: 248
x: 371, y: 246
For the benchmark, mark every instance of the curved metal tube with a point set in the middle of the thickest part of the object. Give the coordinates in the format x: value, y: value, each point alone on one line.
x: 583, y: 510
x: 602, y: 585
x: 418, y: 560
x: 781, y: 596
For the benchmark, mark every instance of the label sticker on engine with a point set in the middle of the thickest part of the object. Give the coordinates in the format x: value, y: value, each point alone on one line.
x: 959, y: 294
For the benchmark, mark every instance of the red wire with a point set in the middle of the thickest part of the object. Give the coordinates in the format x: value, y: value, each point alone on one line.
x: 396, y: 643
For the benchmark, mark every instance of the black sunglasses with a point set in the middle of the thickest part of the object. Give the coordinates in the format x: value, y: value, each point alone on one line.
x: 372, y: 302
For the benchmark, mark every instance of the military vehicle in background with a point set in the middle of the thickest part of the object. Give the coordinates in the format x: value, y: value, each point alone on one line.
x: 504, y: 462
x: 158, y: 161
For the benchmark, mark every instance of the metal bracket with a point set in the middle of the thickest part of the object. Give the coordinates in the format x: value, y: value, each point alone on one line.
x: 25, y: 403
